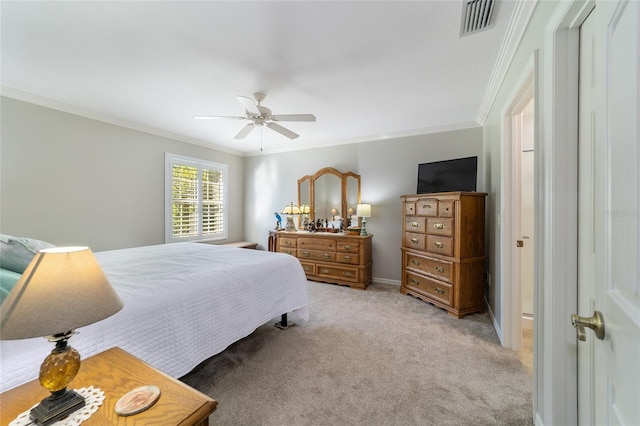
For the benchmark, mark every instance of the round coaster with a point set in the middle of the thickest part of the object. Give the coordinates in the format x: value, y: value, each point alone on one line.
x: 137, y: 400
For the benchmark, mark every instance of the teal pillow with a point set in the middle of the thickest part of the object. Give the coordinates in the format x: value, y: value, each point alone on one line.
x: 16, y: 252
x: 7, y: 280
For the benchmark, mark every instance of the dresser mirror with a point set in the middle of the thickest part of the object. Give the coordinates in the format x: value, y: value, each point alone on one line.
x: 332, y: 196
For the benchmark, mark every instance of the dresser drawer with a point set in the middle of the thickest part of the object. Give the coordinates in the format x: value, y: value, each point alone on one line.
x: 427, y: 207
x: 350, y: 258
x: 288, y: 250
x: 316, y: 255
x: 286, y: 242
x: 431, y: 288
x: 445, y: 208
x: 326, y: 244
x: 348, y: 247
x: 409, y: 209
x: 440, y: 226
x: 308, y: 268
x: 414, y: 241
x: 338, y: 272
x: 440, y: 245
x: 439, y: 268
x: 415, y: 224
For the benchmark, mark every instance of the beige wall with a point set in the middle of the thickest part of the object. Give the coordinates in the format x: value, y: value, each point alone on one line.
x: 71, y: 180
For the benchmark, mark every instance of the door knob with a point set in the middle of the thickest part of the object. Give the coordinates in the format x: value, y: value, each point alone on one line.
x: 596, y: 323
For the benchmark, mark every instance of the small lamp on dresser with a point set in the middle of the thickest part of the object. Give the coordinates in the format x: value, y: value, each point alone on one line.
x: 363, y: 211
x: 61, y: 289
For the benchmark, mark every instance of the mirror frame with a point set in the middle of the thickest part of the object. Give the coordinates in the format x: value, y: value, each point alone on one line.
x: 343, y: 188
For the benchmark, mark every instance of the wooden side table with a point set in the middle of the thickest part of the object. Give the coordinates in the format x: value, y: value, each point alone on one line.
x: 116, y: 372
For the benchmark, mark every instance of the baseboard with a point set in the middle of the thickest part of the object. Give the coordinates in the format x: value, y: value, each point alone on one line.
x: 527, y: 322
x: 492, y: 317
x: 386, y: 281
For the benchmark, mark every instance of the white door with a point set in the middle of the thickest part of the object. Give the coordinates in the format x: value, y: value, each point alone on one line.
x: 526, y: 222
x: 609, y: 214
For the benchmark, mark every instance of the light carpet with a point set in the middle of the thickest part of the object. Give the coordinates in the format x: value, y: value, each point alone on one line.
x: 373, y: 357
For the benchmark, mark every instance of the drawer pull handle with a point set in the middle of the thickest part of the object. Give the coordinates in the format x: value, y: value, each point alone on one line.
x: 307, y: 268
x: 326, y: 256
x: 438, y: 225
x: 415, y: 262
x: 440, y: 269
x: 325, y: 271
x: 414, y: 224
x: 347, y: 247
x: 306, y: 254
x: 415, y: 282
x: 287, y: 251
x: 439, y: 290
x: 414, y: 240
x: 439, y: 244
x: 288, y: 243
x: 426, y: 206
x: 347, y: 258
x: 346, y: 274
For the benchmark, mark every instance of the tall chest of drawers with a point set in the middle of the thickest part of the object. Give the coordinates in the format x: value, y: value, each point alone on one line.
x: 443, y: 250
x: 328, y: 257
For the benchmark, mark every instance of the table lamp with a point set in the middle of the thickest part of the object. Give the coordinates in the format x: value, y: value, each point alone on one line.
x: 304, y: 211
x: 61, y: 289
x: 290, y: 210
x: 363, y: 211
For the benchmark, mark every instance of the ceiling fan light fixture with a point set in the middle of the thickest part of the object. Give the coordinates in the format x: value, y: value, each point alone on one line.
x: 260, y: 115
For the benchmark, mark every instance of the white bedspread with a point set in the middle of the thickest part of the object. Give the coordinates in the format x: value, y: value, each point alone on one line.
x: 183, y: 303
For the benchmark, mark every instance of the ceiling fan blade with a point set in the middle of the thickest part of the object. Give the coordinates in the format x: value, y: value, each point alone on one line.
x: 215, y: 117
x: 245, y: 131
x: 278, y: 128
x: 294, y: 117
x: 249, y: 104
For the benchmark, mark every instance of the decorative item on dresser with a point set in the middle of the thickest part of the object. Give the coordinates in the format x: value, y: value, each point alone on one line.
x: 443, y: 250
x: 328, y: 257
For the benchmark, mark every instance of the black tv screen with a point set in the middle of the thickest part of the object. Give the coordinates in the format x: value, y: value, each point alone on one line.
x: 447, y: 176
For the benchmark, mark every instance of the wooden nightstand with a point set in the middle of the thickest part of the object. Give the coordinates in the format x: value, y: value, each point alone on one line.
x: 116, y: 372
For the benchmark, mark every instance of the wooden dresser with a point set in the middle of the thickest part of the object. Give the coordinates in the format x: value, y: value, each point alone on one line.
x: 443, y: 251
x: 328, y: 257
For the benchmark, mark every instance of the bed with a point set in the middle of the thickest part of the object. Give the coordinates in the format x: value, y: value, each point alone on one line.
x: 183, y: 303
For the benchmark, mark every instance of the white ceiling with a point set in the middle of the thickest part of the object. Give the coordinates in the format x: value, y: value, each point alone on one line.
x: 366, y: 69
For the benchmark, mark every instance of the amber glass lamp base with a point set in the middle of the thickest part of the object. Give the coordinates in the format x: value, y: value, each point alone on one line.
x: 56, y: 372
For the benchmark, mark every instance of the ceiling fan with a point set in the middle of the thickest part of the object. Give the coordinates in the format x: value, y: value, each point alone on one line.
x: 260, y: 115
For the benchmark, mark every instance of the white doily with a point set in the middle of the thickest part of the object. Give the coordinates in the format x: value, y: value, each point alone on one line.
x: 93, y: 400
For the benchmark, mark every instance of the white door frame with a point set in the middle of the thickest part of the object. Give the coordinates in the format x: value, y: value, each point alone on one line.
x: 555, y: 362
x: 511, y: 295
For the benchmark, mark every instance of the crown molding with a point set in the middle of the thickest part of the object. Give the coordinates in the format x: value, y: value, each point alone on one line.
x: 522, y: 12
x: 20, y: 95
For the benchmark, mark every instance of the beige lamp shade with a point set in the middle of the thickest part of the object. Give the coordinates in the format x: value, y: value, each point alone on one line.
x: 62, y: 289
x: 305, y: 209
x: 363, y: 210
x: 291, y: 209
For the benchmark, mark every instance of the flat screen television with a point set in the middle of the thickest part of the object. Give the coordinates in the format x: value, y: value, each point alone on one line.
x: 459, y: 174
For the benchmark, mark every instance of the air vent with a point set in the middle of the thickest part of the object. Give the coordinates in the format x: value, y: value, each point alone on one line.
x: 476, y: 16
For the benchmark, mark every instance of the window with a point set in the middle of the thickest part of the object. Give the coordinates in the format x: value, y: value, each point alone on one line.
x: 195, y: 194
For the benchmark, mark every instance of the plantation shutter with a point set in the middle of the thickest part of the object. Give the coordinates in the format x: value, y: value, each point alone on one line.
x: 197, y: 196
x: 212, y: 202
x: 184, y: 194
